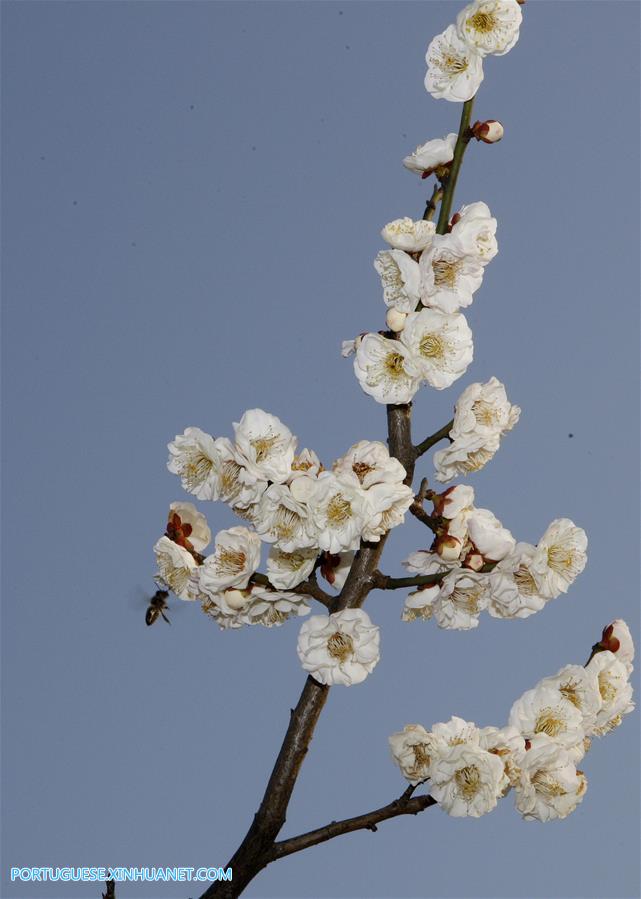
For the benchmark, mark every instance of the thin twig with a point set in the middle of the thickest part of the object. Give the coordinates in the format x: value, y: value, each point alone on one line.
x: 432, y: 203
x: 449, y: 184
x: 385, y: 582
x: 432, y: 439
x: 405, y: 805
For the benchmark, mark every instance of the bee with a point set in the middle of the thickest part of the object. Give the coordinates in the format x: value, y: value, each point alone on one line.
x: 157, y: 606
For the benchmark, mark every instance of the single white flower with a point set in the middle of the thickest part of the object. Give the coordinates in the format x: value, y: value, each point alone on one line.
x: 368, y: 462
x: 615, y: 690
x: 490, y: 26
x: 271, y: 608
x: 560, y: 557
x: 338, y: 511
x: 227, y: 608
x: 386, y: 370
x: 544, y: 710
x: 431, y: 156
x: 463, y: 596
x: 188, y: 527
x: 286, y: 570
x: 425, y: 561
x: 617, y: 639
x: 413, y: 750
x: 408, y: 235
x: 467, y: 781
x: 441, y: 344
x: 483, y: 410
x: 486, y: 532
x: 342, y: 648
x: 453, y: 501
x: 305, y: 463
x: 549, y: 785
x: 464, y: 455
x: 235, y: 558
x: 513, y: 589
x: 400, y: 278
x: 267, y: 446
x: 580, y: 686
x: 176, y: 566
x: 474, y: 229
x: 281, y: 519
x: 386, y: 508
x: 457, y: 732
x: 454, y: 69
x: 335, y: 567
x: 506, y: 743
x: 419, y: 605
x: 449, y: 275
x: 195, y: 457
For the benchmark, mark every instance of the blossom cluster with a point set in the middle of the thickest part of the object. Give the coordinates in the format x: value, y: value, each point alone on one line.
x: 536, y: 754
x: 310, y: 517
x: 426, y: 279
x: 455, y: 57
x: 477, y: 565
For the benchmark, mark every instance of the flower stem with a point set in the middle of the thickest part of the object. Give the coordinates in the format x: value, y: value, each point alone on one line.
x: 449, y: 185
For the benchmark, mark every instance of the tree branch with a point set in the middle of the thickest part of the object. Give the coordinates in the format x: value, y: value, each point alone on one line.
x: 432, y: 203
x: 111, y: 890
x: 405, y: 805
x: 310, y: 587
x: 429, y: 442
x: 385, y: 582
x: 449, y: 183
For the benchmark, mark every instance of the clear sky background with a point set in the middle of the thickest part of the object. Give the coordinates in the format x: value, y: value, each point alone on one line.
x: 193, y: 194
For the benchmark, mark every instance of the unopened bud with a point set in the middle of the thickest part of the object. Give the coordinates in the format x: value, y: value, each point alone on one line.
x: 237, y: 599
x: 489, y: 132
x: 448, y: 548
x: 395, y: 320
x: 475, y: 561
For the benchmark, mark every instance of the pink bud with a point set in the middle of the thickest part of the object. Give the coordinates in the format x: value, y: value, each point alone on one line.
x: 448, y: 548
x: 489, y: 132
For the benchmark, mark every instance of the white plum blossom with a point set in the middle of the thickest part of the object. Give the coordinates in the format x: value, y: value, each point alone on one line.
x: 457, y: 731
x: 195, y: 457
x: 506, y: 743
x: 188, y: 527
x: 432, y: 155
x: 549, y: 786
x: 386, y: 508
x: 441, y: 345
x: 615, y: 690
x: 368, y: 462
x: 286, y: 570
x: 464, y: 455
x: 451, y: 502
x: 484, y: 410
x: 513, y: 589
x: 386, y: 370
x: 467, y: 781
x: 419, y: 605
x: 474, y: 229
x: 449, y: 274
x: 413, y: 750
x: 425, y: 561
x: 338, y: 510
x: 235, y: 558
x: 282, y: 519
x: 342, y: 648
x: 400, y: 278
x: 486, y: 532
x: 266, y: 444
x: 490, y: 26
x: 454, y: 69
x: 463, y: 596
x: 560, y: 557
x: 305, y: 463
x: 176, y: 567
x: 408, y: 235
x: 545, y: 710
x: 580, y: 686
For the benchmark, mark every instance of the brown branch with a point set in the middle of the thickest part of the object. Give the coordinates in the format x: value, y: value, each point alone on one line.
x: 111, y: 890
x: 434, y: 200
x: 310, y: 587
x: 432, y: 439
x: 405, y: 805
x: 385, y: 582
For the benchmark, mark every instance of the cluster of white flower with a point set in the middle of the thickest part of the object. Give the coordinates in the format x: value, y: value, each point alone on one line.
x: 342, y: 648
x: 455, y: 57
x: 426, y: 279
x: 482, y: 415
x: 536, y: 753
x: 310, y: 517
x: 481, y: 567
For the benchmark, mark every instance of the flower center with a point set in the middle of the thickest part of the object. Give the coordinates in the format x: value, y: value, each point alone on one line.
x: 361, y: 469
x: 340, y: 646
x: 468, y: 781
x: 546, y: 785
x: 394, y: 365
x: 263, y: 446
x: 484, y: 22
x: 421, y: 756
x: 453, y: 64
x: 230, y: 561
x: 432, y: 346
x: 229, y: 479
x: 485, y: 413
x: 607, y: 689
x: 476, y: 460
x: 339, y: 510
x: 445, y: 271
x: 549, y: 722
x: 524, y: 581
x: 467, y: 600
x: 570, y: 691
x: 195, y: 470
x: 177, y: 578
x: 561, y: 559
x: 286, y: 523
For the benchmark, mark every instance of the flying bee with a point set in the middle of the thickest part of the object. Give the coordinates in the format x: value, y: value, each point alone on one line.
x: 157, y: 606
